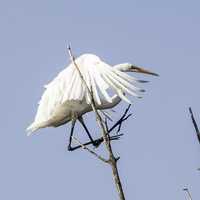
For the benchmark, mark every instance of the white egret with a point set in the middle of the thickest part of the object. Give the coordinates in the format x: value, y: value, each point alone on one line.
x: 66, y: 98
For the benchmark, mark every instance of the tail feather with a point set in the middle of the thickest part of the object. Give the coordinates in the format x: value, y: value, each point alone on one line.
x: 34, y: 127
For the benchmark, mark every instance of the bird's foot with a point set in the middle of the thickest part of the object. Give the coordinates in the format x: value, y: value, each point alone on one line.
x: 69, y: 148
x: 97, y: 142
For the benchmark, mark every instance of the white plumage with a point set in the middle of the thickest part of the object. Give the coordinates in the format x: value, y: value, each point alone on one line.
x: 66, y: 95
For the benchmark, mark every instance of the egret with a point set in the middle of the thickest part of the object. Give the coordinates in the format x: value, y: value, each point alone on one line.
x: 66, y: 98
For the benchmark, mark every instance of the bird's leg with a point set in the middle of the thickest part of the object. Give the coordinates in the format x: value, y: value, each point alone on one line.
x: 70, y: 148
x: 94, y: 142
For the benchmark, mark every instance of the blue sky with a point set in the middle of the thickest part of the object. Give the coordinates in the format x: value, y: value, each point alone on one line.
x: 159, y: 151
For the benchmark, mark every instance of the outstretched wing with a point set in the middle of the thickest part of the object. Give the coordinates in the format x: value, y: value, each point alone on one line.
x: 98, y: 76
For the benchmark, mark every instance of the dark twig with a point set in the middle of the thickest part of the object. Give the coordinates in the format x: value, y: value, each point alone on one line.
x: 106, y: 115
x: 119, y: 122
x: 188, y: 192
x: 124, y: 119
x: 195, y: 124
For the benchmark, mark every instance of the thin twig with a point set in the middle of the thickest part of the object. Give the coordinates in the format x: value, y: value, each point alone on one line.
x: 106, y: 124
x: 123, y: 118
x: 112, y: 160
x: 106, y: 115
x: 119, y: 121
x: 89, y: 150
x: 188, y: 192
x: 195, y: 124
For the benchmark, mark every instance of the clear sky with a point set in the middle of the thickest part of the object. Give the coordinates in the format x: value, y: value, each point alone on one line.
x: 159, y: 151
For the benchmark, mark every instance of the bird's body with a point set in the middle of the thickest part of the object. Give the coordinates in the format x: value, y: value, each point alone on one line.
x: 66, y: 97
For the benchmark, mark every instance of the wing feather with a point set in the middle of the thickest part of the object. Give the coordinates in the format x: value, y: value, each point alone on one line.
x: 121, y: 86
x: 85, y: 72
x: 78, y: 89
x: 116, y: 74
x: 118, y: 91
x: 68, y: 82
x: 72, y: 91
x: 94, y: 86
x: 120, y: 83
x: 124, y: 75
x: 102, y: 85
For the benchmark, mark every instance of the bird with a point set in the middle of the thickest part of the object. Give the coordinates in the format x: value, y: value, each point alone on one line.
x: 66, y: 98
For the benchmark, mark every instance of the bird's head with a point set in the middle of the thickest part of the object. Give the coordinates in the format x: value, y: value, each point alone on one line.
x: 127, y: 67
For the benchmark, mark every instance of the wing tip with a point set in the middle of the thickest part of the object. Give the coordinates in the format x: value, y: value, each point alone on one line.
x: 32, y: 128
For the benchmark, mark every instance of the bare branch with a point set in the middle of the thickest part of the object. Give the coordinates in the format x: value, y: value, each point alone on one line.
x: 89, y: 150
x: 195, y: 124
x: 112, y: 160
x: 188, y: 192
x: 106, y: 124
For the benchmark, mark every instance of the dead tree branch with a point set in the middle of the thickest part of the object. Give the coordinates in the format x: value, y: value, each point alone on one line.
x: 188, y: 193
x: 89, y: 150
x: 195, y: 124
x: 112, y: 160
